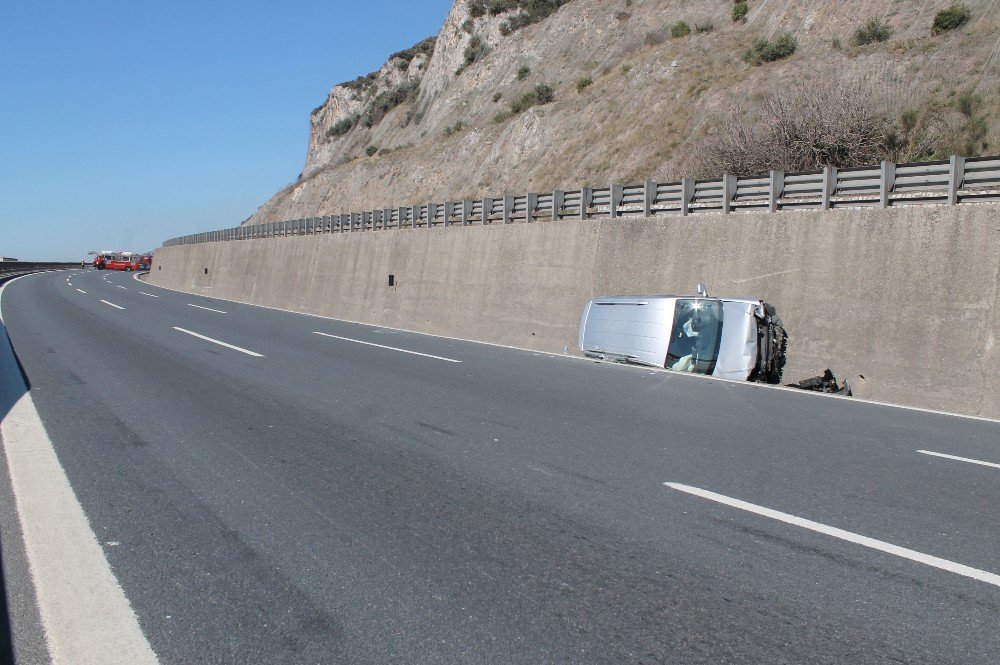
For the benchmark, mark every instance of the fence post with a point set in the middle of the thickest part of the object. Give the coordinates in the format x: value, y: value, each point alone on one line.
x: 956, y: 174
x: 617, y: 192
x: 487, y: 209
x: 508, y: 207
x: 829, y: 181
x: 558, y: 201
x: 530, y: 203
x: 449, y: 212
x: 728, y: 192
x: 648, y: 196
x: 687, y: 194
x: 776, y: 188
x: 586, y: 198
x: 466, y: 210
x: 432, y: 209
x: 886, y: 181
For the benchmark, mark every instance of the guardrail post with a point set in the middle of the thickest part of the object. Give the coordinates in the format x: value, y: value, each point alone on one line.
x: 508, y: 207
x: 829, y: 182
x: 530, y: 204
x: 586, y: 198
x: 956, y: 174
x: 449, y: 212
x: 648, y: 196
x: 558, y: 201
x: 887, y: 179
x: 617, y: 192
x: 728, y: 192
x: 431, y: 214
x: 487, y: 209
x: 776, y: 187
x: 466, y: 211
x: 687, y: 194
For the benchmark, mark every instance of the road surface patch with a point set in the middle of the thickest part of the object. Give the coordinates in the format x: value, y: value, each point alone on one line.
x: 960, y: 459
x: 391, y: 348
x: 882, y: 546
x: 220, y: 343
x: 208, y: 308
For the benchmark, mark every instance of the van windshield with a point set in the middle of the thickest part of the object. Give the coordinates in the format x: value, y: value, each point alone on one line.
x: 695, y: 336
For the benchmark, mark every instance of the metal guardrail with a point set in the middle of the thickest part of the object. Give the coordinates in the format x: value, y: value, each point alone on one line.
x: 946, y: 182
x: 11, y: 269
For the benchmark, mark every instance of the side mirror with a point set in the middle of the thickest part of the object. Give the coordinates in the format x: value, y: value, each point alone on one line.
x: 702, y: 290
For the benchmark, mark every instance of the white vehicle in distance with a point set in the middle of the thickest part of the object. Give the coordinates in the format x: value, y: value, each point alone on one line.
x: 734, y: 338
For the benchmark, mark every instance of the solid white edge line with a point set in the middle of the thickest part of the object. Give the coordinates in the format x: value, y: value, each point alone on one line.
x: 960, y: 459
x: 865, y: 541
x: 220, y: 343
x: 86, y: 616
x: 208, y: 308
x: 112, y: 304
x: 622, y: 366
x: 82, y: 291
x: 391, y: 348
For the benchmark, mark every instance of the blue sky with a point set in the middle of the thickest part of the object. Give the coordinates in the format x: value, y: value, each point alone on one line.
x: 123, y: 124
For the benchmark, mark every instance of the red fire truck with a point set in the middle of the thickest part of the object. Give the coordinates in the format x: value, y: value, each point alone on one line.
x: 126, y: 261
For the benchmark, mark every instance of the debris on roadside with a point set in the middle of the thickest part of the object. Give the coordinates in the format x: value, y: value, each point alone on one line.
x: 823, y: 383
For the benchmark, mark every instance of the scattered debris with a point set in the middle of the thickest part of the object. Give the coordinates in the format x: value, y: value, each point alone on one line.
x: 823, y: 383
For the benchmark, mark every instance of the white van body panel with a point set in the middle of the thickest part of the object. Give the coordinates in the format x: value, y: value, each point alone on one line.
x: 638, y: 329
x: 738, y: 350
x: 633, y: 328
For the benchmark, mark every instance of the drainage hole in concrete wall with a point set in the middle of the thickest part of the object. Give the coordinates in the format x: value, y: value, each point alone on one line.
x: 392, y: 280
x: 206, y: 271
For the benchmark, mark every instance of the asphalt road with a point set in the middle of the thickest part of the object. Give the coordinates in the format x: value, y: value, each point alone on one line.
x: 342, y: 498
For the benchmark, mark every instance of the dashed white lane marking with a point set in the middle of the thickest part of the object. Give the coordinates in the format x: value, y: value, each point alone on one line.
x: 882, y: 546
x: 81, y: 291
x: 112, y: 304
x: 391, y: 348
x: 84, y: 611
x: 220, y: 343
x: 147, y: 294
x: 121, y: 287
x: 960, y: 459
x: 208, y: 308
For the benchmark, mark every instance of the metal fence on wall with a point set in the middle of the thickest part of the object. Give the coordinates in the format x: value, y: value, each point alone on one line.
x: 946, y: 182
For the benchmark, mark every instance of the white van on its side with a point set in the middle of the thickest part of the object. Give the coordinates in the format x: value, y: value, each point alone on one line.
x: 734, y: 338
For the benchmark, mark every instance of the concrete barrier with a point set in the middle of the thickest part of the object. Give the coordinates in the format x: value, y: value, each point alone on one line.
x: 901, y: 302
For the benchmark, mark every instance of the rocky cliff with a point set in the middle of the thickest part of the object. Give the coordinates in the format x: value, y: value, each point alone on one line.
x: 528, y: 95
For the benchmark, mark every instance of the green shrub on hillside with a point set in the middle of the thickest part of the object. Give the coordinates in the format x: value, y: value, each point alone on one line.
x: 341, y: 127
x: 740, y: 9
x: 584, y: 83
x: 371, y: 150
x: 475, y: 51
x: 704, y: 27
x: 954, y: 17
x: 764, y: 50
x: 406, y: 56
x: 874, y: 30
x: 680, y: 29
x: 542, y: 94
x: 454, y: 129
x: 523, y: 72
x: 388, y: 100
x: 528, y: 11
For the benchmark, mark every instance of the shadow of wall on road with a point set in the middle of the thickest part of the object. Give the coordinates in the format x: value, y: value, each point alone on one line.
x: 14, y: 385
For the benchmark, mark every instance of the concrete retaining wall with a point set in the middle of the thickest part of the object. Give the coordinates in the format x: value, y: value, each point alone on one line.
x: 902, y: 302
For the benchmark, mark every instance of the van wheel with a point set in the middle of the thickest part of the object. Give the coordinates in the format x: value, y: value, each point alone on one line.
x: 129, y: 269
